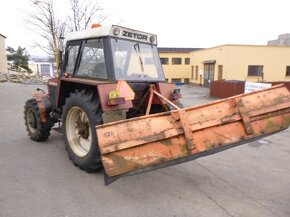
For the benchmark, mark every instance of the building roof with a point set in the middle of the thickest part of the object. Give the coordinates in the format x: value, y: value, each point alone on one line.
x: 114, y: 31
x: 177, y: 49
x: 244, y: 45
x: 2, y: 35
x: 41, y: 59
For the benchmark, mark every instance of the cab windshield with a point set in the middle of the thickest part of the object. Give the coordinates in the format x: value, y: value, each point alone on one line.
x: 136, y: 61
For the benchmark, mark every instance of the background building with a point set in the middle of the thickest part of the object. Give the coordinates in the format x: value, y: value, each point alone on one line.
x: 3, y: 57
x: 283, y: 40
x: 240, y: 62
x: 176, y: 63
x: 43, y: 67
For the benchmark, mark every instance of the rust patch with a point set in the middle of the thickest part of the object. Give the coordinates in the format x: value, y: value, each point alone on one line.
x: 270, y: 125
x: 162, y: 159
x: 120, y: 161
x: 280, y: 100
x: 120, y: 165
x: 166, y: 142
x: 286, y: 122
x: 184, y: 149
x: 209, y: 144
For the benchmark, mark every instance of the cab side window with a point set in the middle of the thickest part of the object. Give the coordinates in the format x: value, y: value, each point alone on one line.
x: 72, y: 52
x: 92, y: 63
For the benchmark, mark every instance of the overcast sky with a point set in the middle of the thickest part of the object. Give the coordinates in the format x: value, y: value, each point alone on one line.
x: 182, y: 23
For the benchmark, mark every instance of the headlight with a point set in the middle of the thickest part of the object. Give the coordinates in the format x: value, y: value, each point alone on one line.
x: 152, y: 38
x: 116, y: 31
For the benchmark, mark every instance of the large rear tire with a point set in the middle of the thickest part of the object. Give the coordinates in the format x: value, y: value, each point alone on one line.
x: 81, y: 113
x: 37, y: 130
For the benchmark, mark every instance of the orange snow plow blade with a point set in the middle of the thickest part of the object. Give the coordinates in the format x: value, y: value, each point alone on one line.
x: 150, y: 142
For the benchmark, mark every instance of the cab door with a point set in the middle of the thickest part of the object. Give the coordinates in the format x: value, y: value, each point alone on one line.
x: 70, y: 61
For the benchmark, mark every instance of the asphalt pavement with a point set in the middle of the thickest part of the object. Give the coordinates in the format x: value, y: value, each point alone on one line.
x: 38, y: 179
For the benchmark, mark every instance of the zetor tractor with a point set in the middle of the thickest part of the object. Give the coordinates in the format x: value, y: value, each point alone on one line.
x: 115, y: 110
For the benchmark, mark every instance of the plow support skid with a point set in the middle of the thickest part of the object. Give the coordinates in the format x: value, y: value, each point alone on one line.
x: 159, y: 140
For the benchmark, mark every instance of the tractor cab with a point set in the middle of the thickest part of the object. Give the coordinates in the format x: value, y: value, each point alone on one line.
x: 113, y: 53
x: 117, y: 64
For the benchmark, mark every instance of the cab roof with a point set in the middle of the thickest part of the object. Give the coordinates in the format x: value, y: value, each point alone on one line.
x: 114, y: 31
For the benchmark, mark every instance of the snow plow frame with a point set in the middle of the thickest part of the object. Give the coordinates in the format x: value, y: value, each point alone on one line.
x: 151, y: 142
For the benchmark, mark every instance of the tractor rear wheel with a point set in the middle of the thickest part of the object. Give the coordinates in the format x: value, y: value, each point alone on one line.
x: 37, y: 130
x: 81, y: 113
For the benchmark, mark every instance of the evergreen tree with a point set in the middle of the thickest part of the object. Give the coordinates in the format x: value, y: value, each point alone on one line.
x: 19, y: 58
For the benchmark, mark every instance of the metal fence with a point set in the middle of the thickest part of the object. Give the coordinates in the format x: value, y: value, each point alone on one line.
x: 228, y: 88
x: 224, y: 89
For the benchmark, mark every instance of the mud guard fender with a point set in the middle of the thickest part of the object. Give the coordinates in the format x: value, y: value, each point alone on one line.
x: 44, y: 104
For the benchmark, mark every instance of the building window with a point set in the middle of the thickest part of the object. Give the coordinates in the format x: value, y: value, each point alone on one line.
x: 176, y: 80
x: 192, y: 72
x: 196, y: 72
x: 164, y: 61
x: 287, y: 70
x: 187, y: 61
x: 176, y: 61
x: 45, y: 69
x: 255, y: 70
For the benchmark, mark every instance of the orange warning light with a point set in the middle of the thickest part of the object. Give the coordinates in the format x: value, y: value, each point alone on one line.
x: 96, y: 25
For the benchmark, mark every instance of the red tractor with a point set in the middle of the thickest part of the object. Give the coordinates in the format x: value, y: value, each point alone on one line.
x: 88, y: 92
x: 117, y: 111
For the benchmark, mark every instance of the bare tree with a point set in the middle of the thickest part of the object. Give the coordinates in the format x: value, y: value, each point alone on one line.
x: 83, y: 13
x: 42, y: 20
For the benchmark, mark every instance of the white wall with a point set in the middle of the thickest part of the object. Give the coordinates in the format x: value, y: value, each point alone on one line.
x: 3, y: 57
